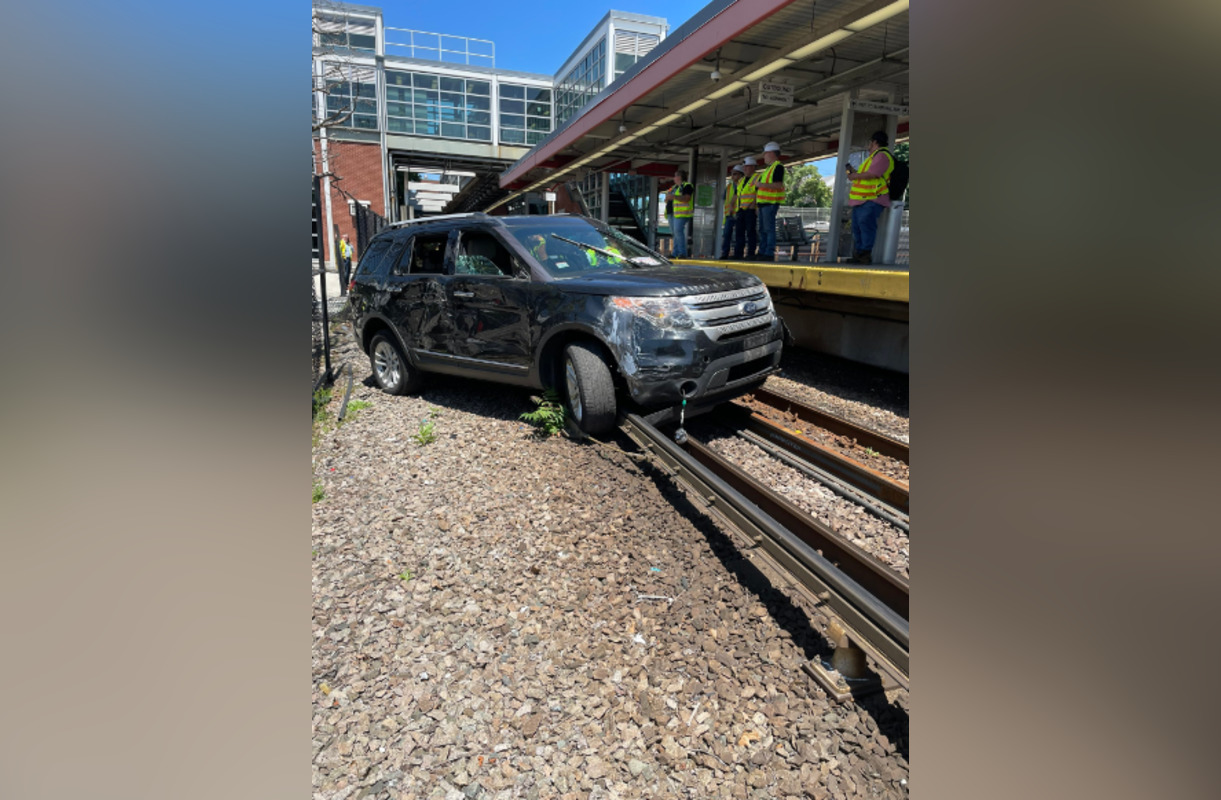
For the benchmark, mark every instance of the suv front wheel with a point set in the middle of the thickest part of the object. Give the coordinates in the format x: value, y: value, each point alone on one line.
x: 390, y: 367
x: 590, y: 390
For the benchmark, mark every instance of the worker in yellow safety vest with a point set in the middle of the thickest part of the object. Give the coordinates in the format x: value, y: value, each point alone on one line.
x: 745, y: 235
x: 869, y: 195
x: 683, y: 195
x: 731, y: 208
x: 769, y: 194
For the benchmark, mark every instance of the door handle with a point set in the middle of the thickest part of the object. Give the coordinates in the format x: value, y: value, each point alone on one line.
x: 464, y: 294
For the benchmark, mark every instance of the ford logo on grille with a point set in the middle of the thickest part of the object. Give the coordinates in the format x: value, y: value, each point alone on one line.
x: 750, y: 307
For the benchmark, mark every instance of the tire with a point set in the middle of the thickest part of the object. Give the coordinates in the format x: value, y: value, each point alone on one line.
x: 590, y: 390
x: 393, y: 373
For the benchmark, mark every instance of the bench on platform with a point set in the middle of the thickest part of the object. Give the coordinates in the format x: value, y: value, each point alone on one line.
x: 791, y: 234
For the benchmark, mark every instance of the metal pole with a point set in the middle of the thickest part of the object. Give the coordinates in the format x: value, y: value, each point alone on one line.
x: 651, y: 231
x: 839, y: 198
x: 326, y: 325
x: 719, y: 218
x: 605, y: 198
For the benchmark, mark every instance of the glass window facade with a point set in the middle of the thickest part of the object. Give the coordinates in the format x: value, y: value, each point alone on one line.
x: 424, y: 104
x: 352, y: 90
x: 580, y: 85
x: 525, y: 114
x: 341, y: 31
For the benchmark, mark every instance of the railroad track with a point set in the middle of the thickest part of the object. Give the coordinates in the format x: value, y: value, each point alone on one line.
x: 790, y: 442
x: 866, y: 600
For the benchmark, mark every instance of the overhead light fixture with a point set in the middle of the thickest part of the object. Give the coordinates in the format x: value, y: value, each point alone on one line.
x: 763, y: 72
x: 697, y: 104
x: 882, y: 14
x: 821, y: 43
x: 726, y: 90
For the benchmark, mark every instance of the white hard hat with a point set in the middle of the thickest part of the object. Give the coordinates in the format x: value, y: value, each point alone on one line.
x: 750, y: 161
x: 739, y: 168
x: 771, y: 146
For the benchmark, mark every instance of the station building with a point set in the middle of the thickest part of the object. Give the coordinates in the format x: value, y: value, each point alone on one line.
x: 408, y: 122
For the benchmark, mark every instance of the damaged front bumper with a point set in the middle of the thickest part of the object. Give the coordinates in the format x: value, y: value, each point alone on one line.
x: 703, y: 374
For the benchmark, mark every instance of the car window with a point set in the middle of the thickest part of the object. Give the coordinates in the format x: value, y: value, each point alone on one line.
x: 403, y: 262
x: 561, y: 250
x: 480, y: 253
x: 428, y: 254
x: 371, y: 261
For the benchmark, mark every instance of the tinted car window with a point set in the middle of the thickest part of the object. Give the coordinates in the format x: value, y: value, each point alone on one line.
x: 480, y: 253
x: 403, y: 262
x: 373, y: 257
x: 428, y: 253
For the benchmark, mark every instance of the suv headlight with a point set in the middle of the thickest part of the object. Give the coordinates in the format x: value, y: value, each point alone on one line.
x: 661, y: 312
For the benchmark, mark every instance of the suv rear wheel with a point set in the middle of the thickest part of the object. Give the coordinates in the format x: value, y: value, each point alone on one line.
x: 390, y: 368
x: 591, y: 393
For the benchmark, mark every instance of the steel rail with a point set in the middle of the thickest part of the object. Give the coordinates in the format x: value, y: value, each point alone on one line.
x: 852, y: 472
x: 892, y: 448
x: 849, y: 493
x: 877, y: 628
x: 876, y: 577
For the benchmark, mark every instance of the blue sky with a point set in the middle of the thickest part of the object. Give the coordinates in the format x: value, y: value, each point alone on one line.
x: 530, y: 37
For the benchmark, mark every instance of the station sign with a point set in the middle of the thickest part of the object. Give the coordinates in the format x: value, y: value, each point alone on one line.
x: 774, y: 93
x: 878, y: 108
x: 549, y: 197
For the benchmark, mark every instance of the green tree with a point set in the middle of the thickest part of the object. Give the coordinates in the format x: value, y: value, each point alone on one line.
x: 806, y: 188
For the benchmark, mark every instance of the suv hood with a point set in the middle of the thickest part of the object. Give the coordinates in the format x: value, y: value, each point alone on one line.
x: 661, y: 281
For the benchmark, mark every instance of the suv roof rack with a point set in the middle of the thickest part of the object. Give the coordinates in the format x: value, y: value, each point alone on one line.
x: 465, y: 215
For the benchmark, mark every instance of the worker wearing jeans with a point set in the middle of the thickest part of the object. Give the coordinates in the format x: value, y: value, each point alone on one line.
x: 683, y: 195
x: 731, y: 209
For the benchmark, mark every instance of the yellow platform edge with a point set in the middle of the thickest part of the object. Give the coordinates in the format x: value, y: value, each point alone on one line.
x: 875, y: 284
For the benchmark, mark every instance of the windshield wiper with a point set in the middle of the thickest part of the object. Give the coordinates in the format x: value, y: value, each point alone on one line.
x: 607, y: 253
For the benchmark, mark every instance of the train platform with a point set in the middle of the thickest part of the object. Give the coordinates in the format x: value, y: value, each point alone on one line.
x: 872, y: 283
x: 860, y: 314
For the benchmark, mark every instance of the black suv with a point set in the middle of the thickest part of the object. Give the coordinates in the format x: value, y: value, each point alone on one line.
x: 543, y: 301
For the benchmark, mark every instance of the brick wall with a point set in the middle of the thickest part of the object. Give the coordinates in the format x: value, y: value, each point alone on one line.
x: 357, y: 169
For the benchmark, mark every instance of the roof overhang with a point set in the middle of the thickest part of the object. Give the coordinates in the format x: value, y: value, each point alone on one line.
x: 823, y: 54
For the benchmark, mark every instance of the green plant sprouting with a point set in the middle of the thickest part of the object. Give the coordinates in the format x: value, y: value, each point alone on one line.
x: 426, y: 434
x: 549, y: 416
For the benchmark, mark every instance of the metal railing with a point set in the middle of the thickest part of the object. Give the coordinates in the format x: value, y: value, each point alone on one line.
x: 460, y: 46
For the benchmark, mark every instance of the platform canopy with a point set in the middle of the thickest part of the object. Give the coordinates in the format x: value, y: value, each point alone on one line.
x: 788, y: 70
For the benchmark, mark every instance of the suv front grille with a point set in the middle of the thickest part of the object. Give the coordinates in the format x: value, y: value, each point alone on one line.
x: 728, y: 315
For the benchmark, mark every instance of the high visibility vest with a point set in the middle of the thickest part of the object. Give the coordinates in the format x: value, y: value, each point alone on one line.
x: 874, y: 187
x: 746, y: 191
x: 592, y: 256
x: 684, y: 206
x: 731, y: 198
x: 769, y: 196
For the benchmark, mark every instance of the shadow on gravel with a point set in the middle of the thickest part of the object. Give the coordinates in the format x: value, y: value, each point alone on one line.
x: 891, y: 719
x: 484, y: 398
x: 847, y: 380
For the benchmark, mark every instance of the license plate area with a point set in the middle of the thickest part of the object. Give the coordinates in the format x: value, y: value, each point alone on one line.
x: 756, y: 340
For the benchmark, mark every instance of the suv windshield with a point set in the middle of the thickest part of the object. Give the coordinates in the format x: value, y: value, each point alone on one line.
x: 568, y: 246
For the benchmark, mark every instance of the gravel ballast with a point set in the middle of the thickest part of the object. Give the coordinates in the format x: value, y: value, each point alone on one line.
x: 498, y: 615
